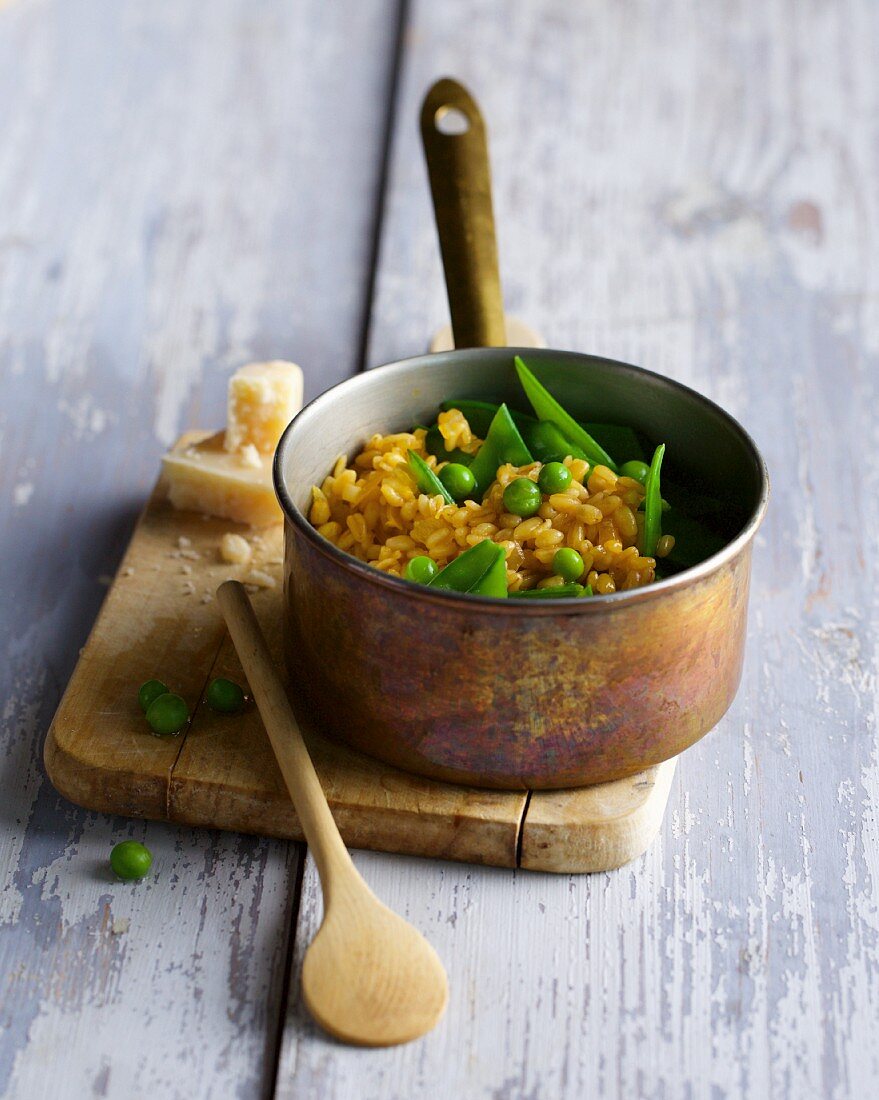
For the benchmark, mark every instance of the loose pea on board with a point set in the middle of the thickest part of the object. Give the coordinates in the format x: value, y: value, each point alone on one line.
x: 149, y: 691
x: 224, y: 696
x: 167, y: 714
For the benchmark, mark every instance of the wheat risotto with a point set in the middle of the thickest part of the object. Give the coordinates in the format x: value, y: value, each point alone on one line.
x: 524, y: 508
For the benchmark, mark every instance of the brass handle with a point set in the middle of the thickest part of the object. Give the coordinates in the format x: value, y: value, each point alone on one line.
x: 460, y: 182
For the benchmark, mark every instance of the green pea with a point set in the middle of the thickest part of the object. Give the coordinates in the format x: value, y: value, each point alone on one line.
x: 225, y: 696
x: 130, y: 860
x: 522, y: 497
x: 458, y: 480
x: 167, y: 714
x: 568, y: 564
x: 555, y: 477
x: 422, y: 569
x: 635, y: 469
x: 152, y: 689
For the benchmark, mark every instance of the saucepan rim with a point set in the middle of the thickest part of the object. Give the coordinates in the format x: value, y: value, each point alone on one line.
x: 594, y: 604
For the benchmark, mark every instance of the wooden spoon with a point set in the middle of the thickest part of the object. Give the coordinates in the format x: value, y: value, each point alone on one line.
x: 369, y: 977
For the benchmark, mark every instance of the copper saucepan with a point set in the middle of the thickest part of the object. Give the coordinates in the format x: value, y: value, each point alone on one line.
x: 508, y: 693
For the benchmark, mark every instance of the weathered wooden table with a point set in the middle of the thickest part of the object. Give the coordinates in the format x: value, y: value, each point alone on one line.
x: 184, y: 187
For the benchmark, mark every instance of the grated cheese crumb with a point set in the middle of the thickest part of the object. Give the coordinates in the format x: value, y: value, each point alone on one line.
x: 250, y: 456
x: 260, y: 579
x: 235, y: 549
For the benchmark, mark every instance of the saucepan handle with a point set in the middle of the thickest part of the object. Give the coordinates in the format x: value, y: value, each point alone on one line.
x: 453, y: 135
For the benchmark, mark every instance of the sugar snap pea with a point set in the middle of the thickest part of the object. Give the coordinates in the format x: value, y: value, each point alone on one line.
x: 548, y: 444
x: 479, y: 570
x: 503, y: 443
x: 547, y: 408
x: 653, y: 504
x: 558, y: 592
x: 494, y: 581
x: 426, y: 479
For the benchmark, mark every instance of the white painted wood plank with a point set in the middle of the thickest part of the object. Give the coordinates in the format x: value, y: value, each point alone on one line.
x: 182, y: 188
x: 692, y: 189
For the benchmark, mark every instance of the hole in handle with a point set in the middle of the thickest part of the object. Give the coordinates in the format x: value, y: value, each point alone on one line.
x: 451, y: 121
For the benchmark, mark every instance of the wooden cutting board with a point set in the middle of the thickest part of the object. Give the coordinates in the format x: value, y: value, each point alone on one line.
x: 161, y: 620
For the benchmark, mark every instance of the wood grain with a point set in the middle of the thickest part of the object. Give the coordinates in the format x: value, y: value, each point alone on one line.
x: 597, y: 828
x: 692, y: 189
x: 175, y: 200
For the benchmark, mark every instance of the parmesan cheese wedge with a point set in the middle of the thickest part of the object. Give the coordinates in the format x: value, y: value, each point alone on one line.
x: 204, y: 477
x: 263, y: 399
x: 229, y: 473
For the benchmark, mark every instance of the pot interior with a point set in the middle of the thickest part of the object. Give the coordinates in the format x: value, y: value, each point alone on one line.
x: 707, y: 452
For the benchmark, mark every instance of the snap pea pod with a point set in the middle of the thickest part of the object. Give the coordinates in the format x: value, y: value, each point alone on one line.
x: 666, y: 507
x: 547, y: 408
x: 560, y: 591
x: 479, y: 570
x: 547, y: 443
x: 494, y: 581
x: 653, y: 504
x: 426, y: 479
x: 503, y: 443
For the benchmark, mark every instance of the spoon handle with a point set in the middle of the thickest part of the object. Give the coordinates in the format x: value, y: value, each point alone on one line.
x: 321, y: 833
x: 453, y: 136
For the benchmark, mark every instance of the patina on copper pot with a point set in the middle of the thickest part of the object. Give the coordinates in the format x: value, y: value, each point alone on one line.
x: 506, y: 693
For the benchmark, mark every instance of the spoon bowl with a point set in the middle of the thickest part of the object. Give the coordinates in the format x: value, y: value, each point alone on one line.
x: 369, y: 977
